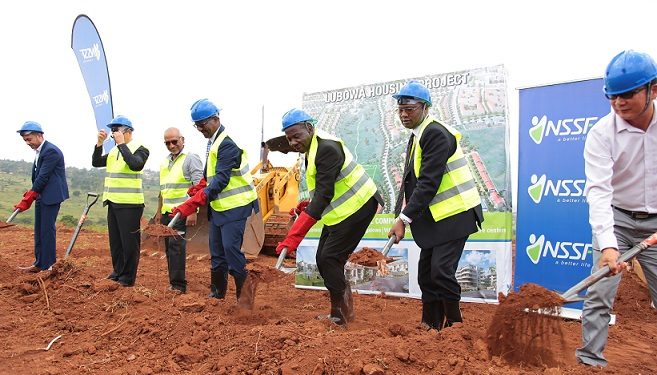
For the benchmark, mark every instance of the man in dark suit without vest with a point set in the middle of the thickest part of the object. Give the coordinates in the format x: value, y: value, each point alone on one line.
x: 49, y: 190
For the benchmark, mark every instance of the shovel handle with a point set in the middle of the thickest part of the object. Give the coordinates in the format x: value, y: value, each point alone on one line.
x: 83, y: 218
x: 281, y: 258
x: 571, y: 294
x: 174, y: 220
x: 391, y: 241
x: 95, y: 196
x: 13, y: 215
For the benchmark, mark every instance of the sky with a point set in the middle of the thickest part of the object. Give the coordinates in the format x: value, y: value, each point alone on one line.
x: 246, y: 55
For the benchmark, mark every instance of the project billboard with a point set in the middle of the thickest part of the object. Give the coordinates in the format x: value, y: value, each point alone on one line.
x: 364, y: 117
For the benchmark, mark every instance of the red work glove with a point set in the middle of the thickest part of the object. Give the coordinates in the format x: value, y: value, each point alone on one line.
x: 190, y: 205
x: 27, y: 200
x: 300, y: 208
x: 298, y: 231
x: 195, y: 188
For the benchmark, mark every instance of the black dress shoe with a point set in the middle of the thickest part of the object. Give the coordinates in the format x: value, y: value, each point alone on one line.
x: 125, y: 283
x: 113, y: 276
x: 177, y: 289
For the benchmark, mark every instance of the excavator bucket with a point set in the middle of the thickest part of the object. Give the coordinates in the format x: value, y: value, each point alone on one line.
x: 279, y: 144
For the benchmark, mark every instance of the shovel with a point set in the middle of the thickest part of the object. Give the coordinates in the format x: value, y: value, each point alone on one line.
x: 6, y: 224
x: 159, y: 230
x: 571, y: 295
x: 384, y: 252
x: 279, y: 262
x: 386, y: 248
x: 83, y: 218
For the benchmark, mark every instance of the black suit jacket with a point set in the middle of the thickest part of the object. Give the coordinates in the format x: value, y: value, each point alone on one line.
x: 49, y: 175
x: 438, y: 145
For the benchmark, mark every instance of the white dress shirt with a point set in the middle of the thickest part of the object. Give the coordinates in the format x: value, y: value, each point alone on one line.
x: 621, y: 170
x: 38, y: 152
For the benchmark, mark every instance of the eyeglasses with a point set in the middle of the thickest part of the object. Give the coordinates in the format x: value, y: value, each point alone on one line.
x: 626, y: 95
x: 200, y: 125
x: 115, y: 129
x: 408, y: 109
x: 172, y: 142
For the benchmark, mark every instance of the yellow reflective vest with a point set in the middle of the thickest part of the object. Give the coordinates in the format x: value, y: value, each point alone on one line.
x: 122, y: 185
x: 240, y: 190
x: 353, y: 187
x: 457, y: 191
x: 173, y: 184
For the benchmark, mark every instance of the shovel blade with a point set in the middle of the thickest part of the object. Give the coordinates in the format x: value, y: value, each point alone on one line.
x: 287, y: 269
x: 279, y: 262
x: 4, y: 224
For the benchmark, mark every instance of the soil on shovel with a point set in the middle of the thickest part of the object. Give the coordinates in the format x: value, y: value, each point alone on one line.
x: 368, y: 257
x: 104, y: 328
x: 526, y: 329
x: 160, y: 230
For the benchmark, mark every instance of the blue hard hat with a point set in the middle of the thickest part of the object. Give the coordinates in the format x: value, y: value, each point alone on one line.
x: 30, y: 126
x: 414, y: 89
x: 295, y: 116
x: 203, y: 109
x: 629, y: 70
x: 120, y: 120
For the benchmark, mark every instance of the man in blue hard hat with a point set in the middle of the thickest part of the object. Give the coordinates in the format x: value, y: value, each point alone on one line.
x: 443, y: 207
x: 620, y: 161
x: 231, y: 197
x: 343, y: 198
x: 49, y: 189
x: 123, y: 195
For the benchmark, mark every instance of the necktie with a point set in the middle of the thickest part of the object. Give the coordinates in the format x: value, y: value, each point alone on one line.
x: 207, y: 150
x: 407, y: 162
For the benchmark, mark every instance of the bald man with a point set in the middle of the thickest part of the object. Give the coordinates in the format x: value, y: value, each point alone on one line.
x: 178, y: 171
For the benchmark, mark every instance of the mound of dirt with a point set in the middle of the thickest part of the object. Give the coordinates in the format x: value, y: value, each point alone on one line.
x: 73, y: 320
x: 525, y: 328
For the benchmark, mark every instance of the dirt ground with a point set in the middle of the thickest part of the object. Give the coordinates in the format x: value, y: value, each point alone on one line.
x: 103, y: 328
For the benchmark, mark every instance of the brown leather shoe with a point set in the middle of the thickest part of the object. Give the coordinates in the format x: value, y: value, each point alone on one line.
x: 30, y: 269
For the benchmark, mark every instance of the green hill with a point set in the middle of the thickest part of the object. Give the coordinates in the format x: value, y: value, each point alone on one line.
x: 15, y: 180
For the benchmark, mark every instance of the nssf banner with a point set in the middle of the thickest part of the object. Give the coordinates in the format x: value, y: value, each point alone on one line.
x: 553, y: 236
x: 365, y: 118
x: 89, y: 52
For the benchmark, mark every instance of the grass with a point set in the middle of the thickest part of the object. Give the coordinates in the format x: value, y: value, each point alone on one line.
x: 13, y: 185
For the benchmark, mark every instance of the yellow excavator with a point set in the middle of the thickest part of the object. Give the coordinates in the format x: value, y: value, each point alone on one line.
x: 278, y: 193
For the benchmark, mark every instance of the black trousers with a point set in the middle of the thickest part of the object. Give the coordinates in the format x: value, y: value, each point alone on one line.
x: 337, y: 242
x: 437, y: 271
x: 176, y: 253
x: 124, y: 238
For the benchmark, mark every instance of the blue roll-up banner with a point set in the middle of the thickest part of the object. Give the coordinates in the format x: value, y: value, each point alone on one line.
x: 89, y: 52
x: 553, y: 235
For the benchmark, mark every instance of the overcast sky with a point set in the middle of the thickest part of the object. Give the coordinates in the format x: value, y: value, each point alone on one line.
x: 164, y: 55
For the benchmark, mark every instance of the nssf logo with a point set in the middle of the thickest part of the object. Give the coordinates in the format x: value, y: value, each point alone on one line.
x: 542, y: 186
x: 540, y: 248
x: 90, y: 53
x: 564, y: 127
